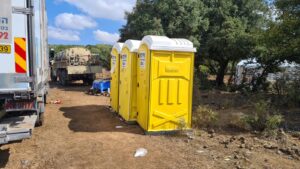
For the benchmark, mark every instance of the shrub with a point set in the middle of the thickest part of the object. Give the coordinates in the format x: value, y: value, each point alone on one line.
x: 262, y: 120
x: 205, y: 117
x: 237, y: 121
x: 293, y: 93
x: 182, y: 124
x: 287, y: 91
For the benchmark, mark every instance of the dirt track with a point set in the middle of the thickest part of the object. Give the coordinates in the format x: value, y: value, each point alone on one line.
x: 81, y: 133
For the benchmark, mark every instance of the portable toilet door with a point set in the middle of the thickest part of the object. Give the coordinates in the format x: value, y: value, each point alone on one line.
x: 165, y: 84
x: 115, y: 76
x: 128, y: 84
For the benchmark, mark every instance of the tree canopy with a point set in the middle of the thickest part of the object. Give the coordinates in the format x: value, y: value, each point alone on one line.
x: 173, y: 18
x: 231, y: 34
x: 223, y: 31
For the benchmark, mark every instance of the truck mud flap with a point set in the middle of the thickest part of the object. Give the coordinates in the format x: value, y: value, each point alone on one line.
x: 16, y: 128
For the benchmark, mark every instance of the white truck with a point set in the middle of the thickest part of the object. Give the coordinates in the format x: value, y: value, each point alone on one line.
x: 24, y: 67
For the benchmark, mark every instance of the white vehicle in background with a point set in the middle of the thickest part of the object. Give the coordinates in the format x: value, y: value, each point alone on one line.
x: 24, y: 67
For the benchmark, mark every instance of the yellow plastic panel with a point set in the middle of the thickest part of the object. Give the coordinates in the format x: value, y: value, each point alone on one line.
x: 115, y: 74
x: 171, y: 90
x: 127, y: 87
x: 143, y: 67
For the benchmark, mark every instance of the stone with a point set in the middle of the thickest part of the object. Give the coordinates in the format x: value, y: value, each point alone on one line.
x: 211, y: 131
x: 190, y: 135
x: 279, y: 152
x: 270, y: 146
x: 287, y: 151
x: 232, y: 139
x: 242, y: 140
x: 187, y: 140
x: 236, y: 157
x: 225, y: 145
x: 25, y: 163
x: 256, y: 139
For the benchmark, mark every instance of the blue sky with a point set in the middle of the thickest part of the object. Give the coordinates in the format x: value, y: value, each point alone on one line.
x: 86, y: 21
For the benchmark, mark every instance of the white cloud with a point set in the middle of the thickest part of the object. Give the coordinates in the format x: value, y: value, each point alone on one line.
x: 106, y: 37
x: 73, y: 21
x: 108, y: 9
x: 62, y: 34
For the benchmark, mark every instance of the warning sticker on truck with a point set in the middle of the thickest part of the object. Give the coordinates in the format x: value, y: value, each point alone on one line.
x: 5, y: 21
x: 124, y: 61
x: 142, y: 60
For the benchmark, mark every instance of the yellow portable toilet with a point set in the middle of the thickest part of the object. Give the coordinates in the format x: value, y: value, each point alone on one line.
x: 115, y: 76
x: 165, y: 71
x: 128, y: 85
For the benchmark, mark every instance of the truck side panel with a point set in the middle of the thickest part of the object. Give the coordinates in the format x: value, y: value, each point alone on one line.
x: 41, y: 52
x: 16, y: 72
x: 14, y: 64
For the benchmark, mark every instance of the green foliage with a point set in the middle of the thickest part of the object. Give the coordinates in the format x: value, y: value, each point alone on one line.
x: 205, y: 117
x: 274, y: 122
x: 280, y: 40
x: 141, y: 21
x: 287, y: 91
x: 287, y: 42
x: 181, y: 124
x: 230, y: 35
x: 293, y: 93
x: 103, y: 54
x: 262, y: 120
x: 173, y: 18
x: 205, y: 84
x: 222, y: 30
x: 238, y: 121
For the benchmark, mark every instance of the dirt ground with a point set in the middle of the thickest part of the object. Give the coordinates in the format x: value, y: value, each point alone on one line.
x: 81, y: 133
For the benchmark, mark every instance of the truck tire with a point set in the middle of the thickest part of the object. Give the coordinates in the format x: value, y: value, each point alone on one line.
x: 41, y: 110
x: 63, y: 78
x: 88, y: 81
x: 45, y: 99
x: 40, y: 120
x: 53, y: 77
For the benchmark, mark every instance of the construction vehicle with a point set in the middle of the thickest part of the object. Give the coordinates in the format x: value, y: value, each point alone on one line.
x: 72, y: 64
x: 24, y: 68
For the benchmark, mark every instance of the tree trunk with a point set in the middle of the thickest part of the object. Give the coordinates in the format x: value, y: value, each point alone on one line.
x: 221, y: 73
x: 232, y: 73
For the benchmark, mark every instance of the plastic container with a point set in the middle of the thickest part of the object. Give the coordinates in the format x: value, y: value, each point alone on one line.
x: 165, y: 70
x: 115, y: 76
x: 127, y: 85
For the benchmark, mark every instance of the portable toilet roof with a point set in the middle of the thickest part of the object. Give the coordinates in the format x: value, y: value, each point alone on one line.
x: 166, y: 44
x: 118, y: 47
x: 249, y: 63
x: 286, y: 64
x: 132, y: 45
